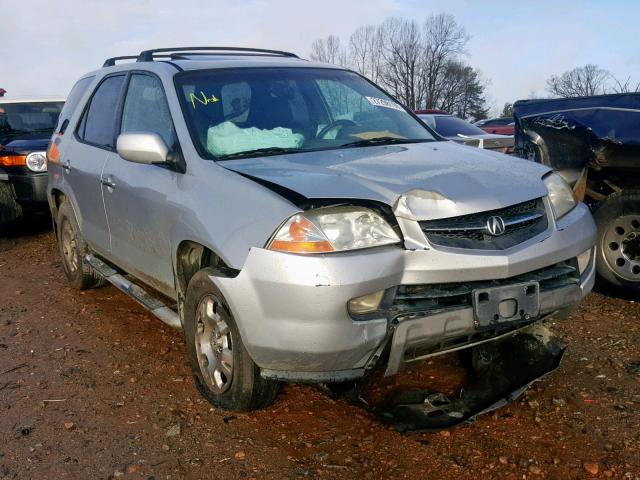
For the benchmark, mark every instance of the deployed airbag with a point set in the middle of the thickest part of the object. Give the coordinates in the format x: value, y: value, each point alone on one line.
x: 227, y: 138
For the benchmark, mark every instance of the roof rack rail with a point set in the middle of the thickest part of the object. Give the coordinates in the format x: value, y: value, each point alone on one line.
x: 149, y: 55
x: 110, y: 62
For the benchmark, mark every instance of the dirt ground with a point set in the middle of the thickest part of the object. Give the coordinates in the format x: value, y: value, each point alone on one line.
x: 92, y: 386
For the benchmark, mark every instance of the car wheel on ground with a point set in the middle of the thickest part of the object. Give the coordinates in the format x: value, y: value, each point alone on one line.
x: 73, y: 249
x: 10, y: 210
x: 618, y: 252
x: 224, y: 372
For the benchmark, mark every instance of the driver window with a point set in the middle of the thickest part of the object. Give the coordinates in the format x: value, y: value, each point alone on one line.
x: 146, y: 109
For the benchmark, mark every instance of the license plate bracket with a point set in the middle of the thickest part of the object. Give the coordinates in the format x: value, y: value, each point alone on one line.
x: 509, y: 303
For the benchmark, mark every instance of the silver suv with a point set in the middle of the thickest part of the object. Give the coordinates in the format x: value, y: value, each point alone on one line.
x: 298, y: 223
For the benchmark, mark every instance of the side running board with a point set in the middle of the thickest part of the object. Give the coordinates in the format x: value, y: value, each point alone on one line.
x: 155, y: 306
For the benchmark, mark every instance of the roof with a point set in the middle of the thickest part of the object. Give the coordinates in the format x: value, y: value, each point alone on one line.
x: 205, y: 63
x: 203, y: 58
x: 31, y: 99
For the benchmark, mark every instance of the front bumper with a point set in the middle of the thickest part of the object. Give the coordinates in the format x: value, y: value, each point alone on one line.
x: 29, y: 187
x: 291, y: 310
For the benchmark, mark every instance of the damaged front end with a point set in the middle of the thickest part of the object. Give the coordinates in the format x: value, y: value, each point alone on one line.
x: 594, y: 143
x: 591, y: 141
x: 499, y: 373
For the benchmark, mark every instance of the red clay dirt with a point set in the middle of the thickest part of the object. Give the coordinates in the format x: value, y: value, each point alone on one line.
x: 93, y: 386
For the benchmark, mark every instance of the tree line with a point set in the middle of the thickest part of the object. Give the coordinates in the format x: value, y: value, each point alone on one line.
x: 588, y: 80
x: 422, y: 65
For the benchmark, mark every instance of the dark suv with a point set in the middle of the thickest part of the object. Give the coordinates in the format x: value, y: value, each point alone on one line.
x: 25, y: 129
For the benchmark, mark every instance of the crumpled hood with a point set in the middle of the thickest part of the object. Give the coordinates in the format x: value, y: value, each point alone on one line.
x: 426, y: 180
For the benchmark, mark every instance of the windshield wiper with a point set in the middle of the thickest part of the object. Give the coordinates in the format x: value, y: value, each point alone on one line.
x: 258, y: 152
x: 381, y: 141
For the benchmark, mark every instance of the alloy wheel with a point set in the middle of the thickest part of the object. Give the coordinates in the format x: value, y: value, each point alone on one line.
x: 214, y: 344
x: 69, y: 247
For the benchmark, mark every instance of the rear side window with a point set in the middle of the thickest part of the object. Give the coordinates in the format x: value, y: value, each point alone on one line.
x: 98, y: 125
x: 146, y: 108
x: 71, y: 103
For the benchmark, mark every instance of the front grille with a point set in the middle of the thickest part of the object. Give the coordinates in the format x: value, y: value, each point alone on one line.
x: 442, y: 297
x: 522, y: 221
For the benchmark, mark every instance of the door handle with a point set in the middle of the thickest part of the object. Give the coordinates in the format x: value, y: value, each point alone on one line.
x: 108, y: 182
x: 66, y: 166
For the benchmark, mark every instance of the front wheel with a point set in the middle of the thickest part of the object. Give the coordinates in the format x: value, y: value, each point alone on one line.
x: 618, y: 247
x: 223, y: 371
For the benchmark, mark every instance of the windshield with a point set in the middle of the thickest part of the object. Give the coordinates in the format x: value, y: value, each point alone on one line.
x: 18, y: 119
x: 235, y: 113
x: 450, y: 126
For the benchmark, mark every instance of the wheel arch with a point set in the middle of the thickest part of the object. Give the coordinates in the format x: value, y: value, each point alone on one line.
x: 56, y: 197
x: 192, y: 256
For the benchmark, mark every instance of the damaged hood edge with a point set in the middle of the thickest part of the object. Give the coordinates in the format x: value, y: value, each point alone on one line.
x: 419, y: 181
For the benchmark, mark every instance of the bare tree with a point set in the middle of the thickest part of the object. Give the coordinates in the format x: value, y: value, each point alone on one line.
x: 365, y: 46
x: 444, y: 41
x: 328, y: 50
x: 579, y: 82
x: 463, y: 92
x: 402, y: 55
x: 421, y: 65
x: 626, y: 86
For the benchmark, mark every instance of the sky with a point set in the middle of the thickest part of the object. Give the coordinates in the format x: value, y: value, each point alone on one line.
x: 45, y: 46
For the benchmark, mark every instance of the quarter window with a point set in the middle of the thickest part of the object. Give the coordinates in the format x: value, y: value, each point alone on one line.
x: 72, y: 101
x: 99, y: 123
x: 146, y: 109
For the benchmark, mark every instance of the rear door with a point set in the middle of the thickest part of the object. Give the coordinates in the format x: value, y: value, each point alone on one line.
x: 141, y: 202
x: 84, y: 160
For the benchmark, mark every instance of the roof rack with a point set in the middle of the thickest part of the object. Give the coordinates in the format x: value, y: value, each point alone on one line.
x: 110, y: 62
x: 149, y: 55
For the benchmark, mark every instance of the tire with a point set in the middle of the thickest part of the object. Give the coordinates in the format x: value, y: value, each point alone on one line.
x: 73, y: 249
x: 10, y: 209
x: 223, y: 371
x: 618, y: 246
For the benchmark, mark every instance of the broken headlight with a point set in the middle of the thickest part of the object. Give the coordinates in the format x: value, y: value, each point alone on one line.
x: 333, y: 229
x: 560, y: 195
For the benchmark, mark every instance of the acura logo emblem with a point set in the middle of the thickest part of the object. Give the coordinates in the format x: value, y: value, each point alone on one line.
x: 496, y: 226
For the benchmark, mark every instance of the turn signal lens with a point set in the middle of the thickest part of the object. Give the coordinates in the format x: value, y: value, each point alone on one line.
x: 53, y: 153
x: 300, y: 235
x: 13, y: 160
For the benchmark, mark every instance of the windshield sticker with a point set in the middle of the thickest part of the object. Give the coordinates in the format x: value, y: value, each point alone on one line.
x: 202, y: 99
x: 382, y: 102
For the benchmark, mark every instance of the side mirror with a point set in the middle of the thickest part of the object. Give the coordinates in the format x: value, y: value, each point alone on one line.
x: 142, y: 147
